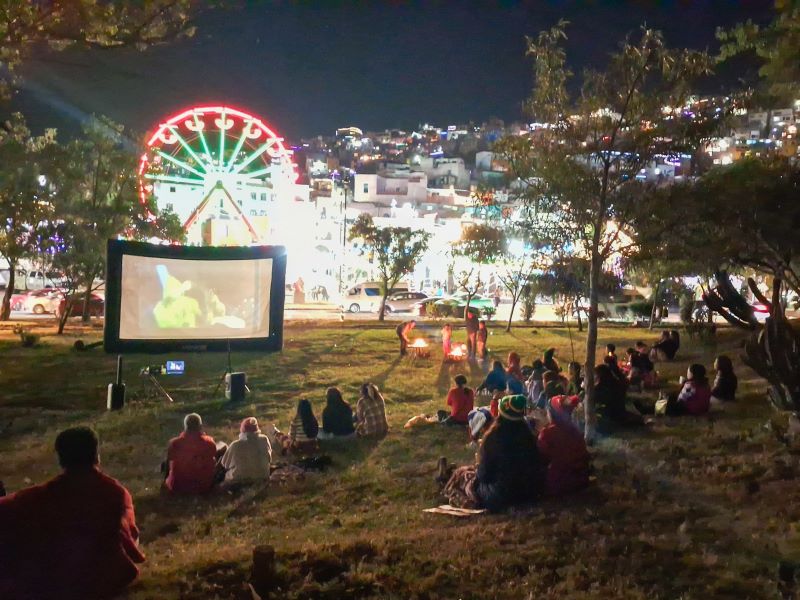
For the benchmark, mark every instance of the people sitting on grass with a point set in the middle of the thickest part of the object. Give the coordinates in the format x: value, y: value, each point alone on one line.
x: 549, y: 360
x: 725, y: 382
x: 447, y: 340
x: 666, y: 347
x: 247, y: 460
x: 495, y: 380
x: 337, y: 416
x: 514, y: 368
x: 478, y: 421
x: 371, y: 412
x: 695, y: 395
x: 611, y: 362
x: 192, y: 459
x: 640, y: 369
x: 509, y: 468
x: 303, y: 429
x: 481, y: 339
x: 74, y: 536
x: 574, y: 379
x: 535, y: 384
x: 460, y: 400
x: 563, y: 448
x: 609, y: 399
x: 611, y: 350
x: 553, y: 385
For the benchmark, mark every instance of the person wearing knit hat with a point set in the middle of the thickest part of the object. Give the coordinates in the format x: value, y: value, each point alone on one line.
x: 562, y: 446
x: 247, y: 459
x: 509, y: 470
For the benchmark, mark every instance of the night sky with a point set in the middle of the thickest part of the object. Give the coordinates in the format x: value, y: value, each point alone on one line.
x: 310, y: 67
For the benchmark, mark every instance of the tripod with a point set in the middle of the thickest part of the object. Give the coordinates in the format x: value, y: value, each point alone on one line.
x: 228, y: 370
x: 159, y: 387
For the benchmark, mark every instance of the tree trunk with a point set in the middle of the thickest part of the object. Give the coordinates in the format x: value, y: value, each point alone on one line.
x: 87, y: 297
x: 578, y: 314
x: 383, y: 305
x: 62, y: 318
x: 591, y: 340
x: 5, y: 310
x: 466, y: 306
x: 514, y: 300
x: 655, y: 301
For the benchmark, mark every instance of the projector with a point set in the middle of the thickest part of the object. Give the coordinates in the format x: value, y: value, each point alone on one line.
x: 172, y: 367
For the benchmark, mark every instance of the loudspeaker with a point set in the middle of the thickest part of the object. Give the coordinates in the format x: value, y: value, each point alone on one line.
x: 235, y: 386
x: 116, y: 396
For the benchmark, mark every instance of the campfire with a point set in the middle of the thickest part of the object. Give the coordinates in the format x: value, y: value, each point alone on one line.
x: 458, y: 352
x: 419, y: 348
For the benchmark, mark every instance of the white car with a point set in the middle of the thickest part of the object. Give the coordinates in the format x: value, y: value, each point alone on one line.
x: 403, y: 301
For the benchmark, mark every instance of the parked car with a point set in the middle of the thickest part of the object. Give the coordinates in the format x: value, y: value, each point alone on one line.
x: 39, y: 301
x: 97, y: 306
x: 459, y: 300
x: 403, y: 301
x: 366, y: 296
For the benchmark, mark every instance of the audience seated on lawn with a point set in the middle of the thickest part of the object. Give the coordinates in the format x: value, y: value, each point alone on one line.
x: 478, y: 421
x: 73, y: 537
x: 611, y: 362
x: 460, y: 400
x: 563, y: 448
x: 549, y: 360
x: 695, y: 395
x: 574, y: 379
x: 666, y: 347
x: 371, y: 412
x: 611, y: 350
x: 337, y: 416
x: 496, y: 379
x: 609, y: 398
x: 304, y: 428
x: 509, y: 469
x: 535, y: 384
x: 247, y: 460
x: 554, y: 385
x: 191, y: 459
x: 514, y: 368
x: 726, y: 382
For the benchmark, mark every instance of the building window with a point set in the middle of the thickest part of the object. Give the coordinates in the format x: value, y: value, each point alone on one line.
x: 239, y: 202
x: 168, y: 206
x: 366, y: 188
x: 172, y: 189
x: 252, y: 213
x: 252, y: 196
x: 263, y: 196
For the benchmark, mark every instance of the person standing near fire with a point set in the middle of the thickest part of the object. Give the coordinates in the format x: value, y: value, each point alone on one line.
x: 472, y: 334
x: 403, y: 331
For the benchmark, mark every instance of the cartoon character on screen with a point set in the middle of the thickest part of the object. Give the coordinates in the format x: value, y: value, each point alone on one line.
x: 175, y: 310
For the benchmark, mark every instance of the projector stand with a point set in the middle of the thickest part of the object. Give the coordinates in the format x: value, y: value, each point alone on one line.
x: 160, y: 388
x: 228, y: 370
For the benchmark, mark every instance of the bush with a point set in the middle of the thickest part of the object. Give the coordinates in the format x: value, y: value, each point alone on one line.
x: 440, y: 310
x: 528, y: 306
x: 488, y: 312
x: 26, y: 338
x: 687, y: 308
x: 642, y: 308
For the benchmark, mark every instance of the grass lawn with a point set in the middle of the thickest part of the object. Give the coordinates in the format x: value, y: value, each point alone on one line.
x: 688, y: 508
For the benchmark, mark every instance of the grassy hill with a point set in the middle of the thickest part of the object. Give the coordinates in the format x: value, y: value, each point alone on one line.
x: 687, y: 508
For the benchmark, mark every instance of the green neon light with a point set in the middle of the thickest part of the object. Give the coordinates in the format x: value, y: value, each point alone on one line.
x: 202, y: 137
x: 222, y: 139
x: 236, y: 150
x: 180, y: 163
x: 174, y: 179
x: 188, y: 148
x: 255, y: 155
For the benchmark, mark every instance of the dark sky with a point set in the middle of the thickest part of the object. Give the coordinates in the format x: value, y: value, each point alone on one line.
x: 310, y: 67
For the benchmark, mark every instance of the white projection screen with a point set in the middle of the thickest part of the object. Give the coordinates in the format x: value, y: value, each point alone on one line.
x: 167, y: 297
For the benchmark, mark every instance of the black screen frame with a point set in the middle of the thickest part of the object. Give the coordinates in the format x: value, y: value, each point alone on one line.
x: 116, y: 249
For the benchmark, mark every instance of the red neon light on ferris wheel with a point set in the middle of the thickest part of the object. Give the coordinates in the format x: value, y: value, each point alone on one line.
x: 192, y: 146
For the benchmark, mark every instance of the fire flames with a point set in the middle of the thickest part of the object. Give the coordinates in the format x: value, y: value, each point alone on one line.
x: 419, y: 343
x: 459, y: 352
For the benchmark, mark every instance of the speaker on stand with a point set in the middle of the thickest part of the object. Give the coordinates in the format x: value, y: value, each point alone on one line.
x: 116, y: 390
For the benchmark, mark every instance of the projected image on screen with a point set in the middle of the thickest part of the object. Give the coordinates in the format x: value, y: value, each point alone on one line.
x: 169, y: 298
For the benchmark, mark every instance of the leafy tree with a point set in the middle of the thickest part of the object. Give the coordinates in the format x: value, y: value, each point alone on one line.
x: 480, y: 244
x: 776, y: 46
x: 25, y: 24
x: 394, y: 250
x: 25, y: 196
x: 582, y: 166
x: 97, y: 200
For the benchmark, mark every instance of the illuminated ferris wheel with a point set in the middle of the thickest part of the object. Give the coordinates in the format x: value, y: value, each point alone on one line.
x: 207, y: 146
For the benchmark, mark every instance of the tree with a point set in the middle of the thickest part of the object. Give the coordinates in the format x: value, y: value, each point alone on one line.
x: 394, y: 250
x: 25, y: 196
x: 25, y: 24
x: 583, y: 165
x: 97, y: 200
x: 776, y: 46
x: 480, y: 244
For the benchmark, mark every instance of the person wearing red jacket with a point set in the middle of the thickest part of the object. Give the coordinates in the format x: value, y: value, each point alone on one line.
x: 562, y: 445
x: 72, y: 537
x: 192, y: 459
x: 461, y: 400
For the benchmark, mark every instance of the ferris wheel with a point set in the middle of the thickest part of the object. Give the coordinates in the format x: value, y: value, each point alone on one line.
x: 206, y: 146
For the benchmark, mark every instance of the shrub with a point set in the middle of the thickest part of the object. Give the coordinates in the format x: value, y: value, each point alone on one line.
x: 488, y: 312
x: 26, y: 338
x: 641, y: 308
x: 687, y: 308
x: 528, y: 306
x: 440, y: 310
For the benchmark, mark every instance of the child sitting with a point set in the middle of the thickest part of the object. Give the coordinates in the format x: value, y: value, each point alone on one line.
x: 534, y: 383
x: 725, y: 383
x: 562, y: 446
x: 460, y: 399
x: 553, y: 385
x: 695, y: 395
